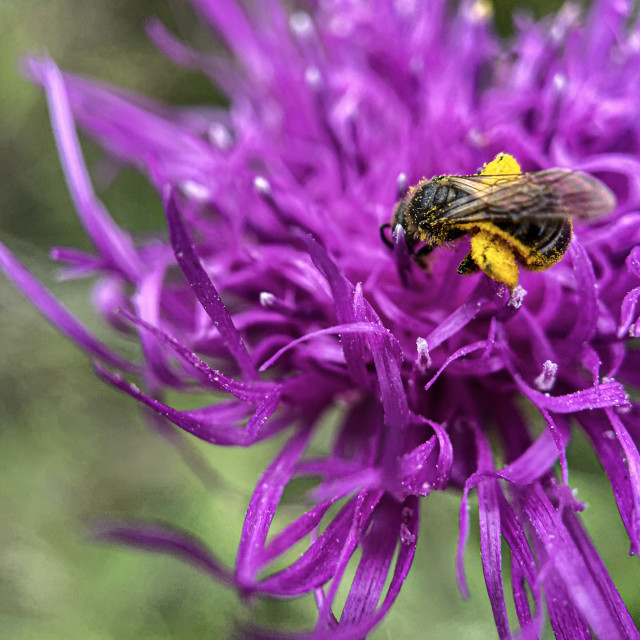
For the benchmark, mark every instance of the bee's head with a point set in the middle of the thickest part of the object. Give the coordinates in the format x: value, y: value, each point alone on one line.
x: 397, y: 219
x: 399, y: 215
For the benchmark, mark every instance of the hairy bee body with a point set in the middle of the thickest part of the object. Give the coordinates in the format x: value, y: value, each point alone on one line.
x: 510, y: 218
x: 545, y: 243
x: 435, y: 197
x: 428, y: 217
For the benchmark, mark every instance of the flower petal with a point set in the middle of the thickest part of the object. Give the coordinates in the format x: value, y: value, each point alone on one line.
x: 204, y: 288
x: 164, y: 539
x: 114, y: 245
x: 58, y: 314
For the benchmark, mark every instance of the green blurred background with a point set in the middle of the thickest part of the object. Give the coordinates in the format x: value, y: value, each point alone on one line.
x: 72, y: 448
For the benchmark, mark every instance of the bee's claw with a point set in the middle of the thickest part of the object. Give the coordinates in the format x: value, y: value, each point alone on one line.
x: 468, y: 266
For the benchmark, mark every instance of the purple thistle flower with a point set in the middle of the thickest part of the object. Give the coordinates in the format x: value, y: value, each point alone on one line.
x: 292, y: 307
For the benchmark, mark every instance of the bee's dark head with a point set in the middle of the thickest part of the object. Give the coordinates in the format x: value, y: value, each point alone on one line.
x: 400, y: 215
x: 397, y: 219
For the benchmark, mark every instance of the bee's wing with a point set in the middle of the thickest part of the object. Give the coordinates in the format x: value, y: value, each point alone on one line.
x: 543, y: 195
x: 582, y: 195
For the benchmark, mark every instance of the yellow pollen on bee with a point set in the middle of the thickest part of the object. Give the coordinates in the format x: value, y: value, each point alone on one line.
x: 495, y: 251
x: 495, y: 257
x: 499, y: 245
x: 502, y: 164
x: 491, y: 248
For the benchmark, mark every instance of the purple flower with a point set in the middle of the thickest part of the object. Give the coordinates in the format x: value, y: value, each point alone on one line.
x: 291, y: 306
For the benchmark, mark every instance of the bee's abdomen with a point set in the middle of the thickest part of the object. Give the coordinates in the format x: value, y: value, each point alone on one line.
x: 546, y: 242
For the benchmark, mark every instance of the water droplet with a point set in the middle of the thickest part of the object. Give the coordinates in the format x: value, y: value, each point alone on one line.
x: 267, y: 299
x: 195, y: 191
x: 262, y: 185
x: 220, y: 135
x: 559, y: 81
x: 313, y: 76
x: 300, y: 23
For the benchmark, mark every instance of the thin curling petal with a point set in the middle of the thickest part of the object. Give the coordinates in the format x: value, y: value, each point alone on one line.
x: 490, y: 537
x: 355, y: 327
x: 114, y: 244
x: 204, y: 288
x: 164, y: 539
x: 229, y: 19
x: 625, y: 624
x: 610, y: 394
x: 251, y: 391
x: 326, y: 618
x: 297, y: 530
x: 628, y: 314
x: 524, y: 570
x: 324, y: 557
x: 632, y: 463
x: 262, y: 508
x: 355, y: 629
x: 147, y: 304
x: 183, y: 55
x: 490, y: 540
x: 612, y: 458
x: 57, y: 314
x: 354, y: 346
x: 586, y: 289
x: 166, y: 143
x: 379, y: 545
x: 222, y: 434
x: 590, y: 596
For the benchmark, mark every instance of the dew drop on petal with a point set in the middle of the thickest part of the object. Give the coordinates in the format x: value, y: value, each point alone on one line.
x: 300, y: 23
x: 267, y: 299
x: 220, y: 136
x: 195, y: 191
x: 559, y: 82
x: 313, y: 77
x: 262, y: 185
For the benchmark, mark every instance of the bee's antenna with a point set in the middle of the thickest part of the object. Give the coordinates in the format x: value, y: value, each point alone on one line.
x: 387, y: 241
x: 402, y: 185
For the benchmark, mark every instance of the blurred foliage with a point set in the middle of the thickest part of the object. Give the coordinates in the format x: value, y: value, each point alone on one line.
x: 73, y: 449
x: 504, y: 11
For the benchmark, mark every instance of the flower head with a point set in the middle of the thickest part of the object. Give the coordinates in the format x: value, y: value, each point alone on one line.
x: 290, y: 304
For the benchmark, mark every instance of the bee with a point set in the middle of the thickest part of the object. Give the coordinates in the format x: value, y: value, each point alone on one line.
x: 510, y: 217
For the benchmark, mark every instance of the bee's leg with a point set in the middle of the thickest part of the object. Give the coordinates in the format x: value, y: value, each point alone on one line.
x: 495, y: 257
x: 468, y: 266
x: 420, y: 256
